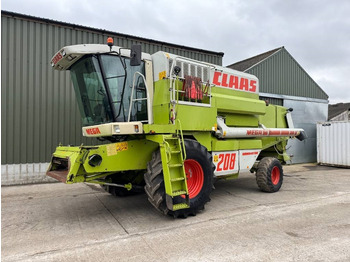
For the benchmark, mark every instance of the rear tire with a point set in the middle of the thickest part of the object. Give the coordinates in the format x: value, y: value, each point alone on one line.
x: 269, y: 175
x: 199, y: 171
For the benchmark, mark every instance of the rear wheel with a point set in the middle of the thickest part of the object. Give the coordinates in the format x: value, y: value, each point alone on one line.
x: 199, y: 172
x: 269, y: 175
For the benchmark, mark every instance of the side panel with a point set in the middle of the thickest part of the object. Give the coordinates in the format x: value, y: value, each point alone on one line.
x: 241, y: 120
x: 226, y: 163
x: 196, y: 118
x: 233, y: 162
x: 235, y: 144
x: 231, y: 101
x: 269, y: 119
x: 247, y: 159
x: 130, y: 155
x: 204, y: 138
x: 161, y: 99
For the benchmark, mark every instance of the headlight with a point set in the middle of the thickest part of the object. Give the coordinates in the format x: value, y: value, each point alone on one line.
x: 117, y: 129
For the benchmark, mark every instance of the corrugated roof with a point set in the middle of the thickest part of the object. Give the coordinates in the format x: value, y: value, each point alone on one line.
x: 85, y: 28
x: 249, y: 62
x: 337, y: 109
x: 280, y: 73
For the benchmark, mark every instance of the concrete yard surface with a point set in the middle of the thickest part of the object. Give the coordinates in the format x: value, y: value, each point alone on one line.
x: 307, y: 220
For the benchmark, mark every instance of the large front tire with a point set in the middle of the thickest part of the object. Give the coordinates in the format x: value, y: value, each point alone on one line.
x: 199, y: 172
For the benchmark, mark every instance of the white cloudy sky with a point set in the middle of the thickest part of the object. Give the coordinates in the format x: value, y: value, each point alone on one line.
x: 315, y: 32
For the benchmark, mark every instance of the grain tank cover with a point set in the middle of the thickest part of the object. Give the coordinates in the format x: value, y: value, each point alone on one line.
x: 164, y: 64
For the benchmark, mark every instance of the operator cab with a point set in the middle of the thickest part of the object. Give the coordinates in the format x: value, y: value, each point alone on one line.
x: 110, y: 86
x: 103, y: 85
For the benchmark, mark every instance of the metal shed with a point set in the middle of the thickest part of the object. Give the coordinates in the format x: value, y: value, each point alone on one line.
x: 284, y: 82
x: 38, y: 104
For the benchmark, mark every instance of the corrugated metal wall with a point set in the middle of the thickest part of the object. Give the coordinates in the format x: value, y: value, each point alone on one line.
x: 38, y: 105
x: 281, y: 74
x: 305, y: 115
x: 333, y: 143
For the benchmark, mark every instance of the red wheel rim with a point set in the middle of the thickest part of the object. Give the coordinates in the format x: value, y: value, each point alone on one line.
x: 195, y: 177
x: 275, y: 175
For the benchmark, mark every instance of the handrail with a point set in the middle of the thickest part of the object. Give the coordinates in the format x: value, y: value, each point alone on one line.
x: 174, y: 91
x: 149, y: 106
x: 182, y: 140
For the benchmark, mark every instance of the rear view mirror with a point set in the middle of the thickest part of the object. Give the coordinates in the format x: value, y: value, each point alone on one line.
x: 135, y: 55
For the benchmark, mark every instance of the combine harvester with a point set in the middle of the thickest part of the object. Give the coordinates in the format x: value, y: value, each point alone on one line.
x: 172, y: 125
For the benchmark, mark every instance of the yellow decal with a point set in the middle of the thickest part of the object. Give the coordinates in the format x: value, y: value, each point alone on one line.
x: 113, y: 149
x: 162, y: 75
x: 216, y: 158
x: 123, y: 146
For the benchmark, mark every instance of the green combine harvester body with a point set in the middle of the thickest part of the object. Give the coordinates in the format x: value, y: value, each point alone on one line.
x: 172, y: 125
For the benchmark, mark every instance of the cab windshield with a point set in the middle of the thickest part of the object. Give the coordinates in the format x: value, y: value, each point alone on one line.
x: 103, y: 85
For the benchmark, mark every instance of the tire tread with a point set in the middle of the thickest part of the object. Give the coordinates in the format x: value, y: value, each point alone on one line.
x: 155, y: 188
x: 263, y: 174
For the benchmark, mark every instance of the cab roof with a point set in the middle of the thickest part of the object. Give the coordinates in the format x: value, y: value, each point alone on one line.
x: 69, y: 55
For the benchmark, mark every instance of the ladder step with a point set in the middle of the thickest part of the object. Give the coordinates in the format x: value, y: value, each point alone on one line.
x: 177, y: 179
x: 175, y: 175
x: 179, y: 193
x: 180, y: 206
x: 174, y: 165
x: 175, y: 152
x: 171, y: 138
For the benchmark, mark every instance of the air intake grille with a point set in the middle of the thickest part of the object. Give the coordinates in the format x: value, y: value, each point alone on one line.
x: 191, y: 69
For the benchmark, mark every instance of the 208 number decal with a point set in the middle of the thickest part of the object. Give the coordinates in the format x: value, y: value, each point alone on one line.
x: 226, y: 162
